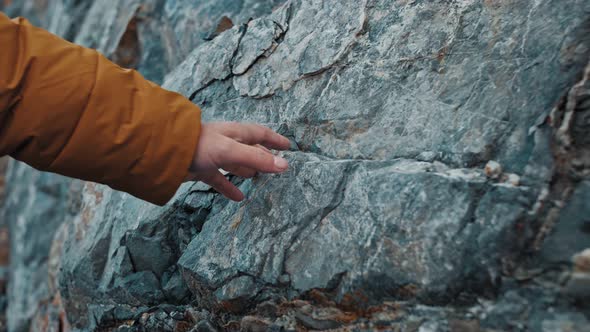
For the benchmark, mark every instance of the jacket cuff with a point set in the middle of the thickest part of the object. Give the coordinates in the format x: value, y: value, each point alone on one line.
x: 186, y: 136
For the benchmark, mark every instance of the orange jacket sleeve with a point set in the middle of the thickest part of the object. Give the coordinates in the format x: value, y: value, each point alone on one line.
x: 67, y: 109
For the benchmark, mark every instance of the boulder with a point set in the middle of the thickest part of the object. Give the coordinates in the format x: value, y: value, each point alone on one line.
x: 438, y: 172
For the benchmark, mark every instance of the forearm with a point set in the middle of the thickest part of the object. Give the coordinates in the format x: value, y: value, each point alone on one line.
x: 69, y: 110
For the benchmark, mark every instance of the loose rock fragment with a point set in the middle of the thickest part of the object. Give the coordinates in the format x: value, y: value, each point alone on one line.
x: 254, y: 324
x: 579, y: 283
x: 582, y: 261
x: 204, y: 326
x: 493, y: 169
x: 510, y: 179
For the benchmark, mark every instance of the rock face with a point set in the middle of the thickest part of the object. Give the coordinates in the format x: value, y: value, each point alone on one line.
x: 439, y: 179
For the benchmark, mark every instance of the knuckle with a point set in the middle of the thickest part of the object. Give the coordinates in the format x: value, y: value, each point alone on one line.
x: 216, y: 181
x: 224, y: 148
x: 233, y: 125
x: 264, y: 159
x: 267, y: 134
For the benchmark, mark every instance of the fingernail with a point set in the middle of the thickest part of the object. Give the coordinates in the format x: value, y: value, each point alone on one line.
x: 281, y: 163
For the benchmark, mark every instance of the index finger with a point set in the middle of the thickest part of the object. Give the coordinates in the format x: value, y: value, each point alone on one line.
x: 249, y: 133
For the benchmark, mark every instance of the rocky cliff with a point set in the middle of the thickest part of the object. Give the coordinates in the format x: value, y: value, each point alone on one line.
x: 439, y: 179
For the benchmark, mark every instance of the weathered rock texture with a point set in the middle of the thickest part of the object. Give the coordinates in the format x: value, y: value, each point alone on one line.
x: 391, y: 216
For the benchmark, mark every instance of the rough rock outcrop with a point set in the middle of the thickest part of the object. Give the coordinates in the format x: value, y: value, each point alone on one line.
x: 440, y: 169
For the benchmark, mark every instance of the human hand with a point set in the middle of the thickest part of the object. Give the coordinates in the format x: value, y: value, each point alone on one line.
x: 241, y: 149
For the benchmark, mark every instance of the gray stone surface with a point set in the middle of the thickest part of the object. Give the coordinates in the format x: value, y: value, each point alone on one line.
x: 35, y: 206
x: 353, y: 229
x: 62, y: 17
x: 158, y: 34
x: 386, y: 219
x: 572, y: 232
